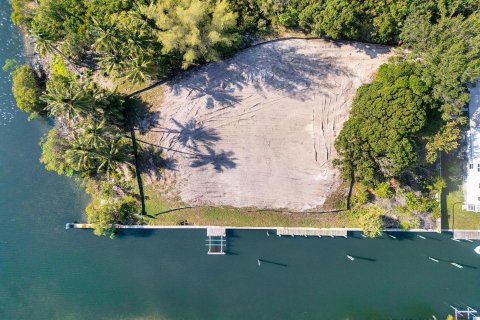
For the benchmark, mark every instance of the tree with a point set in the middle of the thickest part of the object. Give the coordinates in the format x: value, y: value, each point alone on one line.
x: 68, y: 99
x: 21, y: 12
x: 54, y: 147
x: 94, y: 132
x: 104, y: 213
x: 127, y: 46
x: 139, y: 69
x: 445, y: 140
x: 196, y: 29
x: 370, y: 220
x: 387, y: 116
x: 103, y: 155
x: 448, y: 53
x: 26, y: 90
x: 339, y: 19
x: 112, y: 155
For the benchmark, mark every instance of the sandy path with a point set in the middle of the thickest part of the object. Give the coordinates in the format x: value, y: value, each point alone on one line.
x: 259, y: 129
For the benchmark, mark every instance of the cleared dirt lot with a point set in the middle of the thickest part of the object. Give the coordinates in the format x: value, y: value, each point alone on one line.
x: 258, y: 129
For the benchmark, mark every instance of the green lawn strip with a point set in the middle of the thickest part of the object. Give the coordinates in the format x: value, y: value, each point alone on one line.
x: 159, y: 208
x: 453, y: 196
x: 463, y: 219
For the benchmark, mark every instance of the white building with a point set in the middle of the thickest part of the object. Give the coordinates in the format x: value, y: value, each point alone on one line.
x: 471, y: 185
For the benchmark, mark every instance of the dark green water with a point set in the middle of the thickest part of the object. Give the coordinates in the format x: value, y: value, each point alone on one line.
x: 47, y: 272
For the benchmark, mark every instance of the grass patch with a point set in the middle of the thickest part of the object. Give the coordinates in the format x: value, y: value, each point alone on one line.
x: 452, y: 196
x: 165, y: 212
x: 463, y: 219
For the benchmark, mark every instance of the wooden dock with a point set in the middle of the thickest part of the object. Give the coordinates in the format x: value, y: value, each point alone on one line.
x: 311, y: 232
x: 466, y: 234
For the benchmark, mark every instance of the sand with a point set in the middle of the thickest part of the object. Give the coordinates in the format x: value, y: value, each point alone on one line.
x: 258, y: 129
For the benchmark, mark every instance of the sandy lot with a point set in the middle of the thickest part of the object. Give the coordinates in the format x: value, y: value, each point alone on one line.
x: 258, y: 130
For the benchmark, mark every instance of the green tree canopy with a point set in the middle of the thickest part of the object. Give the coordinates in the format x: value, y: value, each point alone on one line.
x: 370, y: 220
x: 26, y: 90
x: 445, y: 140
x: 198, y: 30
x: 104, y: 213
x: 449, y: 53
x: 387, y: 115
x: 54, y: 147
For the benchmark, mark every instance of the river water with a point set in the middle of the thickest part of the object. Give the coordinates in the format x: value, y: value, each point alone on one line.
x: 47, y: 272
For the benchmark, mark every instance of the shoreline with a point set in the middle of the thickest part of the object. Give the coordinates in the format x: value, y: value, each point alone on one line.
x: 458, y: 234
x: 137, y: 226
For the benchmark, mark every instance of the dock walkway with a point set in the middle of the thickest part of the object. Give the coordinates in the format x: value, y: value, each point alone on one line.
x: 466, y: 234
x: 316, y: 232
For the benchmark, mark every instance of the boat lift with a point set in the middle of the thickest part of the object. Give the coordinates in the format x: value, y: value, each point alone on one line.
x: 468, y: 314
x: 216, y: 240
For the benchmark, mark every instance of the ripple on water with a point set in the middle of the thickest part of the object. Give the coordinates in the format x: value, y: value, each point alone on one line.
x: 8, y: 109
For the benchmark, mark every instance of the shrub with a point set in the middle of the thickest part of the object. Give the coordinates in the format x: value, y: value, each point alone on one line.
x: 58, y: 68
x: 370, y: 220
x: 53, y: 153
x: 384, y: 190
x: 421, y: 204
x: 10, y: 64
x: 104, y: 213
x: 439, y: 184
x: 21, y: 12
x: 360, y: 195
x: 412, y: 222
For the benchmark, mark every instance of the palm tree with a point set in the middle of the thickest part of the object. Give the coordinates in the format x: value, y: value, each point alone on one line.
x: 46, y: 44
x: 138, y: 69
x: 111, y: 155
x: 102, y: 154
x: 80, y: 157
x: 106, y: 36
x: 94, y: 133
x: 68, y: 100
x: 43, y: 44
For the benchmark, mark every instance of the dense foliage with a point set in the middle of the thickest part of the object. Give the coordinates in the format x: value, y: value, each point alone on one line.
x: 387, y: 116
x: 26, y: 89
x: 196, y: 29
x: 108, y: 208
x: 449, y: 55
x: 413, y: 109
x: 370, y: 220
x: 141, y: 40
x: 398, y: 124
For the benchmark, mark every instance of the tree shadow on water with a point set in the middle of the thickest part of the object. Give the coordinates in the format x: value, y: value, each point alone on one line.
x: 401, y: 235
x: 135, y: 233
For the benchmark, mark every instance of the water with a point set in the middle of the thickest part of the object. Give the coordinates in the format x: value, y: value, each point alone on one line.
x: 47, y: 272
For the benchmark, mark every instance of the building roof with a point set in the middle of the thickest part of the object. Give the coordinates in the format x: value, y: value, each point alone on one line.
x: 471, y: 186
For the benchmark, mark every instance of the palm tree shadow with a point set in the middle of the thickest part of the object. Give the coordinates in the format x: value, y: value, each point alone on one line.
x: 220, y: 161
x: 191, y: 134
